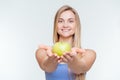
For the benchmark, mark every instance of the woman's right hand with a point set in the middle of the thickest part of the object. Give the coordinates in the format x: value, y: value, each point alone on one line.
x: 51, y: 57
x: 49, y: 61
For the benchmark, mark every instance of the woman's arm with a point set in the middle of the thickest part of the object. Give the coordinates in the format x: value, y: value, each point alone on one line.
x: 46, y: 60
x: 80, y: 62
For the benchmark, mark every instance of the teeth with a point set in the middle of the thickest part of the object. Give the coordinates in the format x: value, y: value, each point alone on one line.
x: 65, y: 30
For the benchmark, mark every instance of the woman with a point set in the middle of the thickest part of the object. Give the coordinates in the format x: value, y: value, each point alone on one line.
x: 71, y: 65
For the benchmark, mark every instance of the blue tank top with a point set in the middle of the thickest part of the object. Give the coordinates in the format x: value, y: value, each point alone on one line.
x: 61, y: 73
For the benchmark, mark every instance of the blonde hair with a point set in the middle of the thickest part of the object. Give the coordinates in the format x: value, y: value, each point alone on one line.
x: 76, y: 36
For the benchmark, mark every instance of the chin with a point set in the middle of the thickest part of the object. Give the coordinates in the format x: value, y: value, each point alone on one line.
x: 67, y: 36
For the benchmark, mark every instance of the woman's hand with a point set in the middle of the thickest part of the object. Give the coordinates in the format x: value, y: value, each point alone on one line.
x: 49, y: 60
x: 73, y: 56
x: 79, y: 60
x: 51, y: 57
x: 73, y: 59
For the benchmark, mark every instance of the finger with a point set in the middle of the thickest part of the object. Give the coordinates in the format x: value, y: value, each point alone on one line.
x: 78, y: 50
x: 59, y: 60
x: 64, y: 59
x: 55, y: 57
x: 49, y: 53
x: 68, y: 57
x: 52, y: 58
x: 74, y: 51
x: 74, y: 48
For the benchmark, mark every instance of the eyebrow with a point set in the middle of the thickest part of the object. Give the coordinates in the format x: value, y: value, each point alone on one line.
x: 63, y: 19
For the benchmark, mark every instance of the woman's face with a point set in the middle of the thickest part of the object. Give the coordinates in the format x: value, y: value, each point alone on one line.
x: 66, y: 24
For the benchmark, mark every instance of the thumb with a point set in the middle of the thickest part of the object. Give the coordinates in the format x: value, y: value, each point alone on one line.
x: 49, y: 52
x: 79, y: 50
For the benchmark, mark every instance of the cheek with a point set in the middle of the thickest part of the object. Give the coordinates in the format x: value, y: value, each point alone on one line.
x: 59, y: 26
x: 58, y: 29
x: 73, y: 31
x: 73, y: 28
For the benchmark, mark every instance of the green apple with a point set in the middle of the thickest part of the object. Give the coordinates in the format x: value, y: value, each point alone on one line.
x: 61, y: 47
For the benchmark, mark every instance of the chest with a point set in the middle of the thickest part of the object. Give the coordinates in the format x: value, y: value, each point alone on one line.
x: 61, y: 73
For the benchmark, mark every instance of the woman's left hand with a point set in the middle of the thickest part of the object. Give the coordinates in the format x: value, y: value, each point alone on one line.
x: 73, y: 56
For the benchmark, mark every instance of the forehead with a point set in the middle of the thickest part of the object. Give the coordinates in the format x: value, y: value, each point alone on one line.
x: 67, y: 14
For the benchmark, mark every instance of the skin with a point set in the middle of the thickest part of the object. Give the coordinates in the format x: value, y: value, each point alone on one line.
x: 78, y: 60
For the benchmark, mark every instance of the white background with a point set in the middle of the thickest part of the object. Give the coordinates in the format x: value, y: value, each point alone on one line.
x: 24, y: 24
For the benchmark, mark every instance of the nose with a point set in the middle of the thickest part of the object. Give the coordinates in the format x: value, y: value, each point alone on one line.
x: 65, y: 24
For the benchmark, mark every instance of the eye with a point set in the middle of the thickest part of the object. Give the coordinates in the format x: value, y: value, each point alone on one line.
x: 71, y: 21
x: 60, y: 21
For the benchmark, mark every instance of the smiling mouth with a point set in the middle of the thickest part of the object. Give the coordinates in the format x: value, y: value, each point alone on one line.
x: 65, y: 30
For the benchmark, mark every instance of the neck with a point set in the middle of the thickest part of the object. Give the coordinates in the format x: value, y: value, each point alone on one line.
x: 68, y: 39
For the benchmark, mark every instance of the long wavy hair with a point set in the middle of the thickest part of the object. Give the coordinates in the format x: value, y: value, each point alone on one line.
x: 76, y: 36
